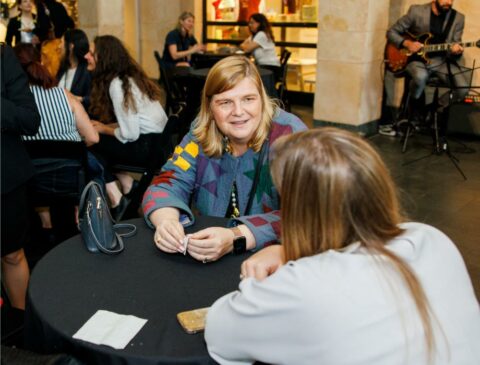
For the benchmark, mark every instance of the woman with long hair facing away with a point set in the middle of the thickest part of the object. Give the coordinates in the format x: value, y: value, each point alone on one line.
x: 261, y: 43
x: 221, y: 168
x: 127, y: 104
x: 180, y: 43
x: 351, y: 283
x: 63, y: 120
x: 73, y: 74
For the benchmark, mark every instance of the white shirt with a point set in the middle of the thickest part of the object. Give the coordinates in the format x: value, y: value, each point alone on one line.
x: 265, y: 54
x: 67, y: 78
x: 26, y: 23
x: 348, y: 308
x: 149, y: 117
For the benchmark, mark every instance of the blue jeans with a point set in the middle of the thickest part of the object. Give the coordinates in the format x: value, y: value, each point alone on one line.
x: 421, y: 73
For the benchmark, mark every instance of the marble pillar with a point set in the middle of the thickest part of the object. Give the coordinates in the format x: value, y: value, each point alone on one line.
x: 349, y: 85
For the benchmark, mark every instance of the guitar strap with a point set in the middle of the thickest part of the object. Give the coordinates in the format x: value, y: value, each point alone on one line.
x: 450, y: 21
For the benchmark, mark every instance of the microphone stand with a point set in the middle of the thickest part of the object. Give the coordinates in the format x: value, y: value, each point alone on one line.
x: 440, y: 144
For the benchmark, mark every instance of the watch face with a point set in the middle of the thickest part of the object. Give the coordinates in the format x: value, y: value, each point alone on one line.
x: 239, y: 245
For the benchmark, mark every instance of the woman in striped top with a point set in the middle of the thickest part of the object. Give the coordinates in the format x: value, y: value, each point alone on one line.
x: 63, y: 119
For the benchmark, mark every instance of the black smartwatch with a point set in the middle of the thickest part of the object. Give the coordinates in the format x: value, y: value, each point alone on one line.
x: 239, y: 241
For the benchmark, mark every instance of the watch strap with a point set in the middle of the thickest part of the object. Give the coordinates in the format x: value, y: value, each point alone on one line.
x: 236, y: 232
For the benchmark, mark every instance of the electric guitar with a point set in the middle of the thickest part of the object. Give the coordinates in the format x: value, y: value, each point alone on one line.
x: 397, y: 59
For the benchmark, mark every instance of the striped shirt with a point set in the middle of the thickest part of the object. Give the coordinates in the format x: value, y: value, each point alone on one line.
x: 58, y: 121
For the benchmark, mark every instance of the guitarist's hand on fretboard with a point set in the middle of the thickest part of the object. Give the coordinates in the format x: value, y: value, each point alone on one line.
x: 456, y: 49
x: 412, y: 46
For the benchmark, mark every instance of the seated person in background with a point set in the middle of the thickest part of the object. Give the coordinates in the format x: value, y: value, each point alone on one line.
x: 180, y: 43
x: 24, y: 27
x: 63, y: 119
x: 344, y: 288
x: 214, y: 168
x: 261, y: 43
x: 128, y: 105
x: 73, y: 74
x: 432, y: 17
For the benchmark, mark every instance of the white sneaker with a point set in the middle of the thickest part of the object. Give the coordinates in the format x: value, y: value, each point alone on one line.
x: 387, y: 130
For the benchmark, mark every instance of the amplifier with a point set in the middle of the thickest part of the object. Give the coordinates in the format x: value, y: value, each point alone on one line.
x: 465, y: 117
x: 470, y: 99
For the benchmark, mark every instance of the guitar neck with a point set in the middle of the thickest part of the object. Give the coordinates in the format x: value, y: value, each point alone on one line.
x: 445, y: 46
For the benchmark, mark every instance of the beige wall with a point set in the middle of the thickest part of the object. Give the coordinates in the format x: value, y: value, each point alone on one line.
x: 350, y: 52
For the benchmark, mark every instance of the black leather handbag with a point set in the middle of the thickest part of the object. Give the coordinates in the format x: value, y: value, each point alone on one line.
x: 96, y: 225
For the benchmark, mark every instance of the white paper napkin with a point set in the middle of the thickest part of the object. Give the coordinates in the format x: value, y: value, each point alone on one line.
x: 111, y: 329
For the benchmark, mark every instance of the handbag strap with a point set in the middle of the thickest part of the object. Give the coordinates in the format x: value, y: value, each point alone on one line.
x: 258, y: 169
x: 132, y: 227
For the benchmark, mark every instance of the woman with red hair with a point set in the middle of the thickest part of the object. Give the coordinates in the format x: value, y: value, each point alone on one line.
x: 63, y: 120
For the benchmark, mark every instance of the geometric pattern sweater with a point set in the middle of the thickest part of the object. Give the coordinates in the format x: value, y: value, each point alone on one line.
x: 190, y: 178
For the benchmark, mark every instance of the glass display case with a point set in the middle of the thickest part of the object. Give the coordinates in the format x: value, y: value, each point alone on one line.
x: 294, y: 25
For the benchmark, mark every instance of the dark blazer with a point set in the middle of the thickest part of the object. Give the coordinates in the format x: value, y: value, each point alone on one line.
x: 81, y: 84
x: 417, y: 21
x: 19, y: 116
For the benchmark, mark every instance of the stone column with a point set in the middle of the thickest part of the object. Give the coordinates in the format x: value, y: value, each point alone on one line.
x: 99, y: 17
x: 349, y: 85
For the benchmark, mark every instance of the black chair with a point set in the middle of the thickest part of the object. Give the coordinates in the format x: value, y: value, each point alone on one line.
x: 280, y: 73
x: 282, y: 87
x: 161, y: 148
x: 175, y: 95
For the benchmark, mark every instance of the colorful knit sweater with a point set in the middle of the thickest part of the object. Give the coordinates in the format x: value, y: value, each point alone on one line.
x: 206, y: 182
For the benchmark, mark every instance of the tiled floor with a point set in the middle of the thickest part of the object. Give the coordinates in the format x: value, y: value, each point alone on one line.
x: 433, y: 191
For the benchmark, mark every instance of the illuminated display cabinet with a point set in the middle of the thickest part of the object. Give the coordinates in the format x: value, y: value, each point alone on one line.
x: 294, y: 25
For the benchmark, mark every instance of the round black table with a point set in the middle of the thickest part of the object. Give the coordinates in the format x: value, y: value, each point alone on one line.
x: 70, y: 284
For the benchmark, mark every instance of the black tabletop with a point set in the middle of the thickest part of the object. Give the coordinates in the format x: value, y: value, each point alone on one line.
x: 70, y: 284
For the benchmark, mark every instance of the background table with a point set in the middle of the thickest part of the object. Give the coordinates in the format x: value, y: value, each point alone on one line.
x: 70, y: 284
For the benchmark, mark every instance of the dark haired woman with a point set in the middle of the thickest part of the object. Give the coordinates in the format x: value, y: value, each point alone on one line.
x: 63, y: 120
x: 261, y: 43
x: 127, y: 104
x: 23, y: 28
x: 180, y: 43
x: 73, y: 74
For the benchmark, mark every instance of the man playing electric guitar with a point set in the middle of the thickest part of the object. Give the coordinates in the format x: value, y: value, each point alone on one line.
x: 446, y: 26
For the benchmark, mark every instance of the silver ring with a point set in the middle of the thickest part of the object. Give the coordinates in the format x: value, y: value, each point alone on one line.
x: 205, y: 260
